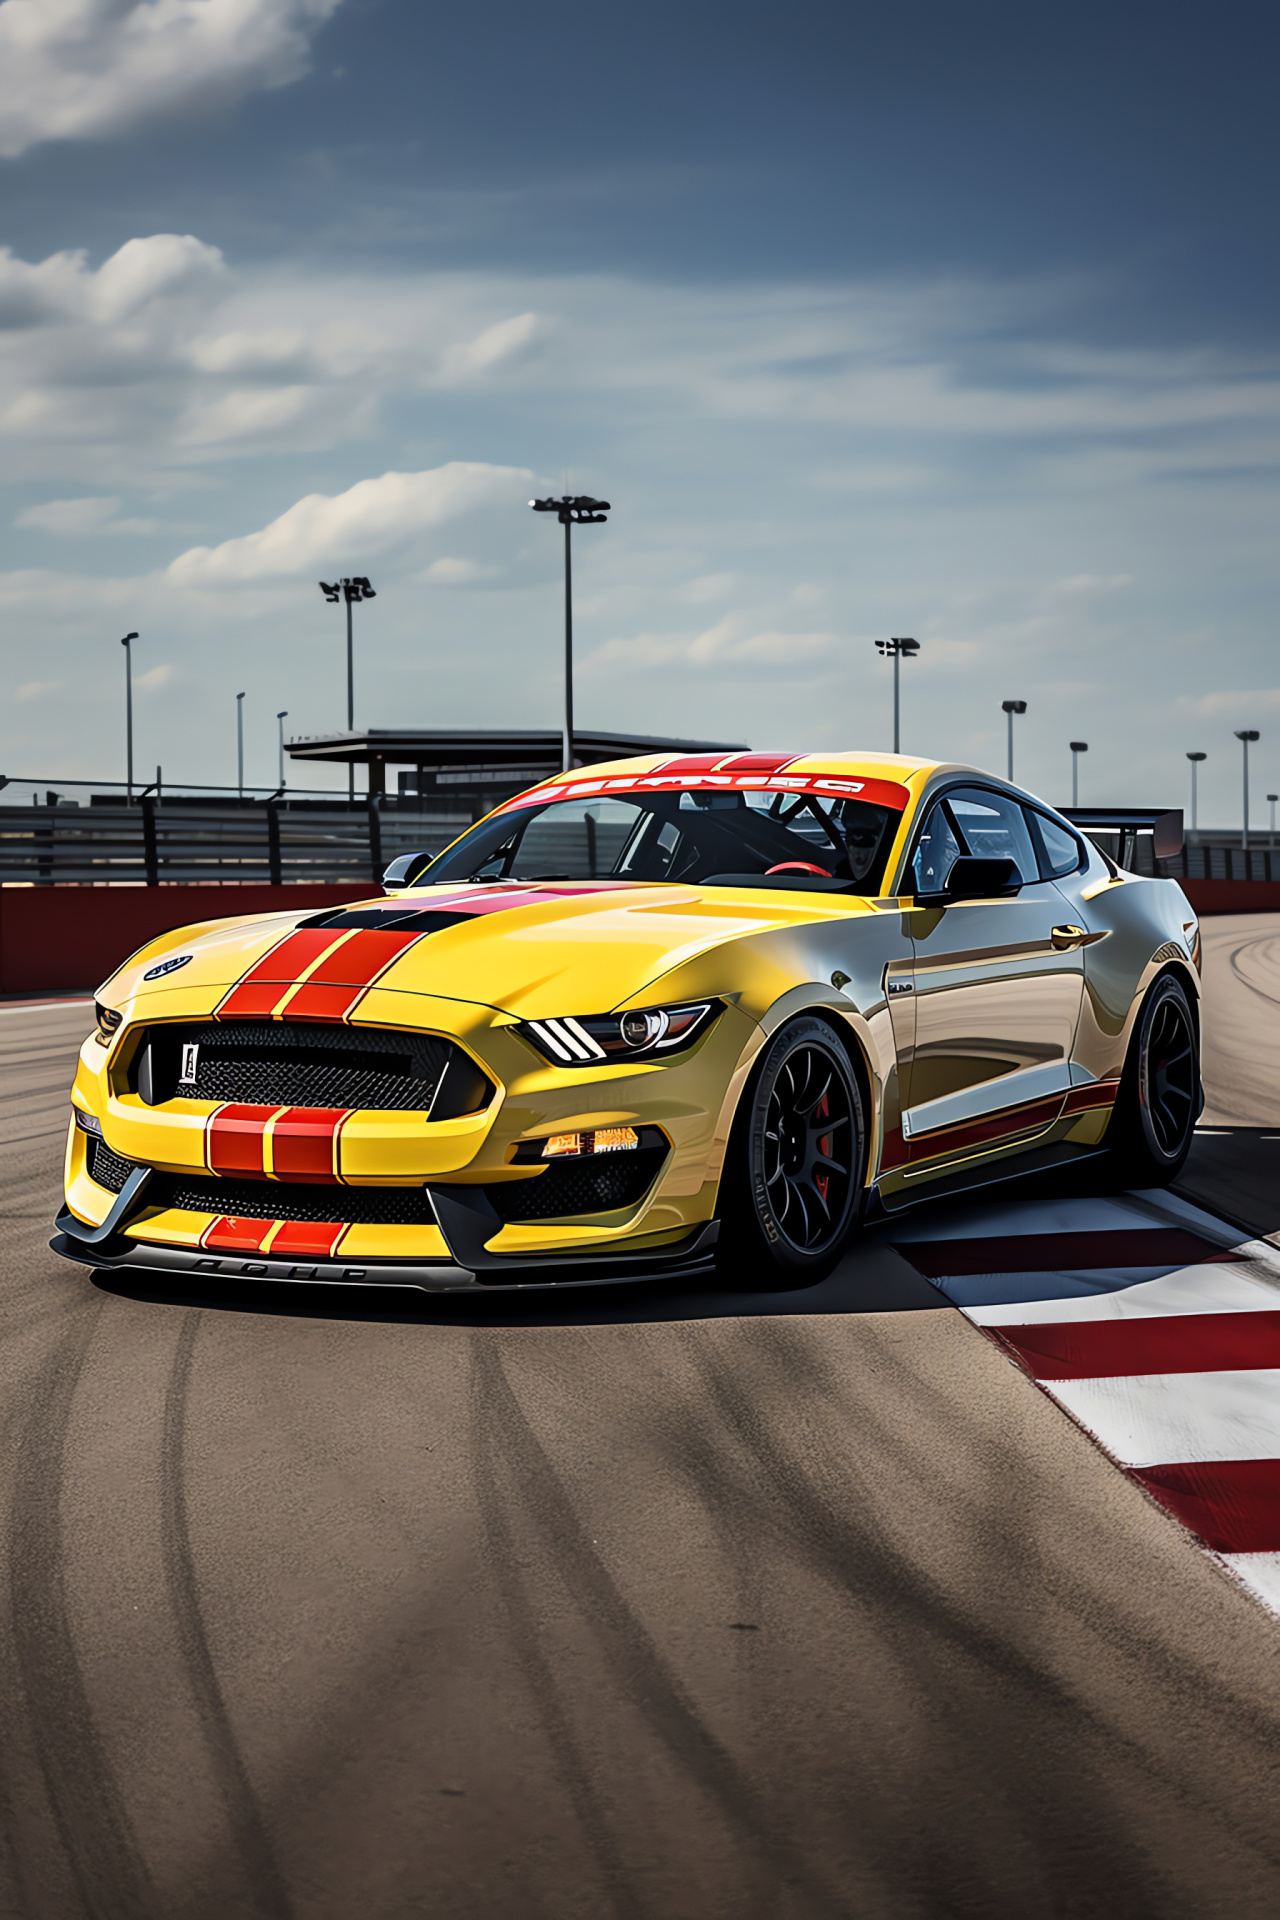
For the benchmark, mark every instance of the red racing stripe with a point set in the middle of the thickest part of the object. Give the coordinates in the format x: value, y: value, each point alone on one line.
x: 232, y: 1234
x: 1234, y: 1505
x: 314, y: 1237
x: 1168, y: 1247
x: 340, y: 981
x: 259, y: 992
x: 304, y: 1145
x: 233, y: 1140
x: 1148, y: 1343
x: 988, y: 1131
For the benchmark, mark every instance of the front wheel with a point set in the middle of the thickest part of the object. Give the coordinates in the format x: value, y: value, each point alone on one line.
x: 1155, y: 1116
x: 793, y: 1175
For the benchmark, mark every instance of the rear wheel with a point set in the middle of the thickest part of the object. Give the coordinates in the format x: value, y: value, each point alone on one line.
x: 1159, y: 1101
x: 793, y: 1176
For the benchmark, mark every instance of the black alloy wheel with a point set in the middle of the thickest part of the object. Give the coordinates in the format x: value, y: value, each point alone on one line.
x: 793, y: 1179
x: 1160, y: 1099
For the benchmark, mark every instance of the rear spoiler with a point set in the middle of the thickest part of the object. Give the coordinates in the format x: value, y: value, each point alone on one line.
x: 1165, y: 827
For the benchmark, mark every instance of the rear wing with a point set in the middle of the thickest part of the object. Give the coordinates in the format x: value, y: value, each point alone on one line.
x: 1164, y: 826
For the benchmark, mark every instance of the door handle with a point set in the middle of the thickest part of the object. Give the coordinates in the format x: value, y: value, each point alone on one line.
x: 1064, y: 938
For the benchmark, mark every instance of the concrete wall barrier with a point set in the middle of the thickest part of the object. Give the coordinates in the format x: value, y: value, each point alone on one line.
x: 69, y: 939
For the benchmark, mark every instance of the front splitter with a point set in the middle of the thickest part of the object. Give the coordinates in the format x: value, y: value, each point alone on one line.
x: 695, y: 1260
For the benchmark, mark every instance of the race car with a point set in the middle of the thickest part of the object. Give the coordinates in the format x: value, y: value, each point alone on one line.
x: 662, y: 1017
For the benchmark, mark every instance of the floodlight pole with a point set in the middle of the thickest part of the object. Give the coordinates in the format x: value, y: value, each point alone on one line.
x: 240, y: 744
x: 1077, y: 748
x: 350, y: 588
x: 1195, y: 759
x: 580, y: 510
x: 1271, y: 837
x: 897, y: 651
x: 281, y: 717
x: 128, y: 712
x: 1010, y: 707
x: 1244, y: 735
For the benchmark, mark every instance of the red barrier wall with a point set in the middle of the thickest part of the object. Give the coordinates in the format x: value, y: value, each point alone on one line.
x: 1233, y: 896
x: 68, y: 939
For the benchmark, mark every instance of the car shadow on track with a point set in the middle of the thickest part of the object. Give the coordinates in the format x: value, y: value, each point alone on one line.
x: 872, y: 1278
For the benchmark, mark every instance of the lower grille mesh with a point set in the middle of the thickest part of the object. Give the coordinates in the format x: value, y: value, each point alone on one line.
x: 562, y: 1191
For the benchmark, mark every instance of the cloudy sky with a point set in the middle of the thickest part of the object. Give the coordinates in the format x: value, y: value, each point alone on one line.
x: 951, y: 320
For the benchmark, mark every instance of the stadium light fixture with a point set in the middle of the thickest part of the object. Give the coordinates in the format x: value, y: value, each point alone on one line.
x: 1195, y: 759
x: 1077, y: 748
x: 897, y: 651
x: 281, y: 717
x: 1244, y: 735
x: 1271, y: 838
x: 572, y: 510
x: 351, y: 589
x: 1009, y: 708
x: 128, y: 712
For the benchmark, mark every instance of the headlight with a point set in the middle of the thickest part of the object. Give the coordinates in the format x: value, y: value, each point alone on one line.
x: 587, y: 1040
x: 108, y: 1023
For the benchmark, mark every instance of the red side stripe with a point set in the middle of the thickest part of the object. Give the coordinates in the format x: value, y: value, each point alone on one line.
x: 1100, y: 1093
x: 337, y: 984
x: 302, y: 1144
x: 1150, y: 1343
x: 254, y: 997
x: 758, y: 763
x: 313, y: 1237
x: 232, y: 1234
x: 1234, y: 1505
x: 234, y: 1140
x: 1167, y: 1247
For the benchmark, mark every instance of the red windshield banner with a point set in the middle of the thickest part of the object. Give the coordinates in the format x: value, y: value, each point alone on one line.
x: 881, y: 793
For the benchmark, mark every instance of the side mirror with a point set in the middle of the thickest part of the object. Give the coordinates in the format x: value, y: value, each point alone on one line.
x: 972, y: 878
x: 405, y: 871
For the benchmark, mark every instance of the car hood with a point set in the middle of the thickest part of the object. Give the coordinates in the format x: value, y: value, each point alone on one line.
x: 528, y: 949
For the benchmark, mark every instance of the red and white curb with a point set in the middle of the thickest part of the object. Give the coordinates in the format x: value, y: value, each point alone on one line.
x: 1157, y: 1328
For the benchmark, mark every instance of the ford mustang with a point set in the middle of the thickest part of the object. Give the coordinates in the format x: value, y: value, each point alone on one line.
x: 659, y: 1017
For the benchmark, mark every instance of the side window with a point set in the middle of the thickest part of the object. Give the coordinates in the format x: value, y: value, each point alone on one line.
x: 1062, y: 851
x: 935, y: 853
x: 995, y: 828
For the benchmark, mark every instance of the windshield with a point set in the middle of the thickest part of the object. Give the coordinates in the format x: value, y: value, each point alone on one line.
x: 822, y: 841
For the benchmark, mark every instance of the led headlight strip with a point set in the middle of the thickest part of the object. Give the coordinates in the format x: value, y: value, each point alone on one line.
x: 587, y: 1040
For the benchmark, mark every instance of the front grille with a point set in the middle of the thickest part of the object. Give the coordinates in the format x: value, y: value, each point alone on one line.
x: 579, y: 1186
x: 272, y: 1064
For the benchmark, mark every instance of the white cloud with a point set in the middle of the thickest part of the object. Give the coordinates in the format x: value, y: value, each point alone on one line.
x: 340, y: 531
x: 80, y: 69
x: 449, y: 572
x: 36, y: 689
x: 76, y: 519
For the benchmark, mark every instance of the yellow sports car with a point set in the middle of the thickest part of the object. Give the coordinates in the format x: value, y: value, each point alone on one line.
x: 648, y: 1018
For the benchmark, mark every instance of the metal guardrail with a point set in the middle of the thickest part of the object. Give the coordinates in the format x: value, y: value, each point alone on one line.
x: 188, y: 842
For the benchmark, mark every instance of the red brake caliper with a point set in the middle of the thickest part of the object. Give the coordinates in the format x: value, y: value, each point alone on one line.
x: 822, y: 1180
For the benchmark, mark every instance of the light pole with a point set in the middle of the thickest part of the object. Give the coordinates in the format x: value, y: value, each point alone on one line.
x: 897, y: 651
x: 1077, y: 748
x: 240, y: 744
x: 571, y: 510
x: 351, y: 588
x: 1010, y: 707
x: 1271, y: 837
x: 281, y: 717
x: 128, y: 711
x: 1244, y: 735
x: 1195, y: 759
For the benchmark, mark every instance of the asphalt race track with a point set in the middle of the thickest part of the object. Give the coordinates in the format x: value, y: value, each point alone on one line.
x: 633, y: 1605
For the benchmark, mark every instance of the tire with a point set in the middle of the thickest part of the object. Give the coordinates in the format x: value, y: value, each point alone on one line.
x: 791, y: 1194
x: 1159, y: 1101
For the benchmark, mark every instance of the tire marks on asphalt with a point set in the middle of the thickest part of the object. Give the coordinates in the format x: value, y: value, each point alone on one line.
x: 642, y: 1676
x: 261, y: 1888
x: 84, y: 1796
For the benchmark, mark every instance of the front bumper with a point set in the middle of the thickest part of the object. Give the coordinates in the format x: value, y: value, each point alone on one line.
x: 464, y: 1226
